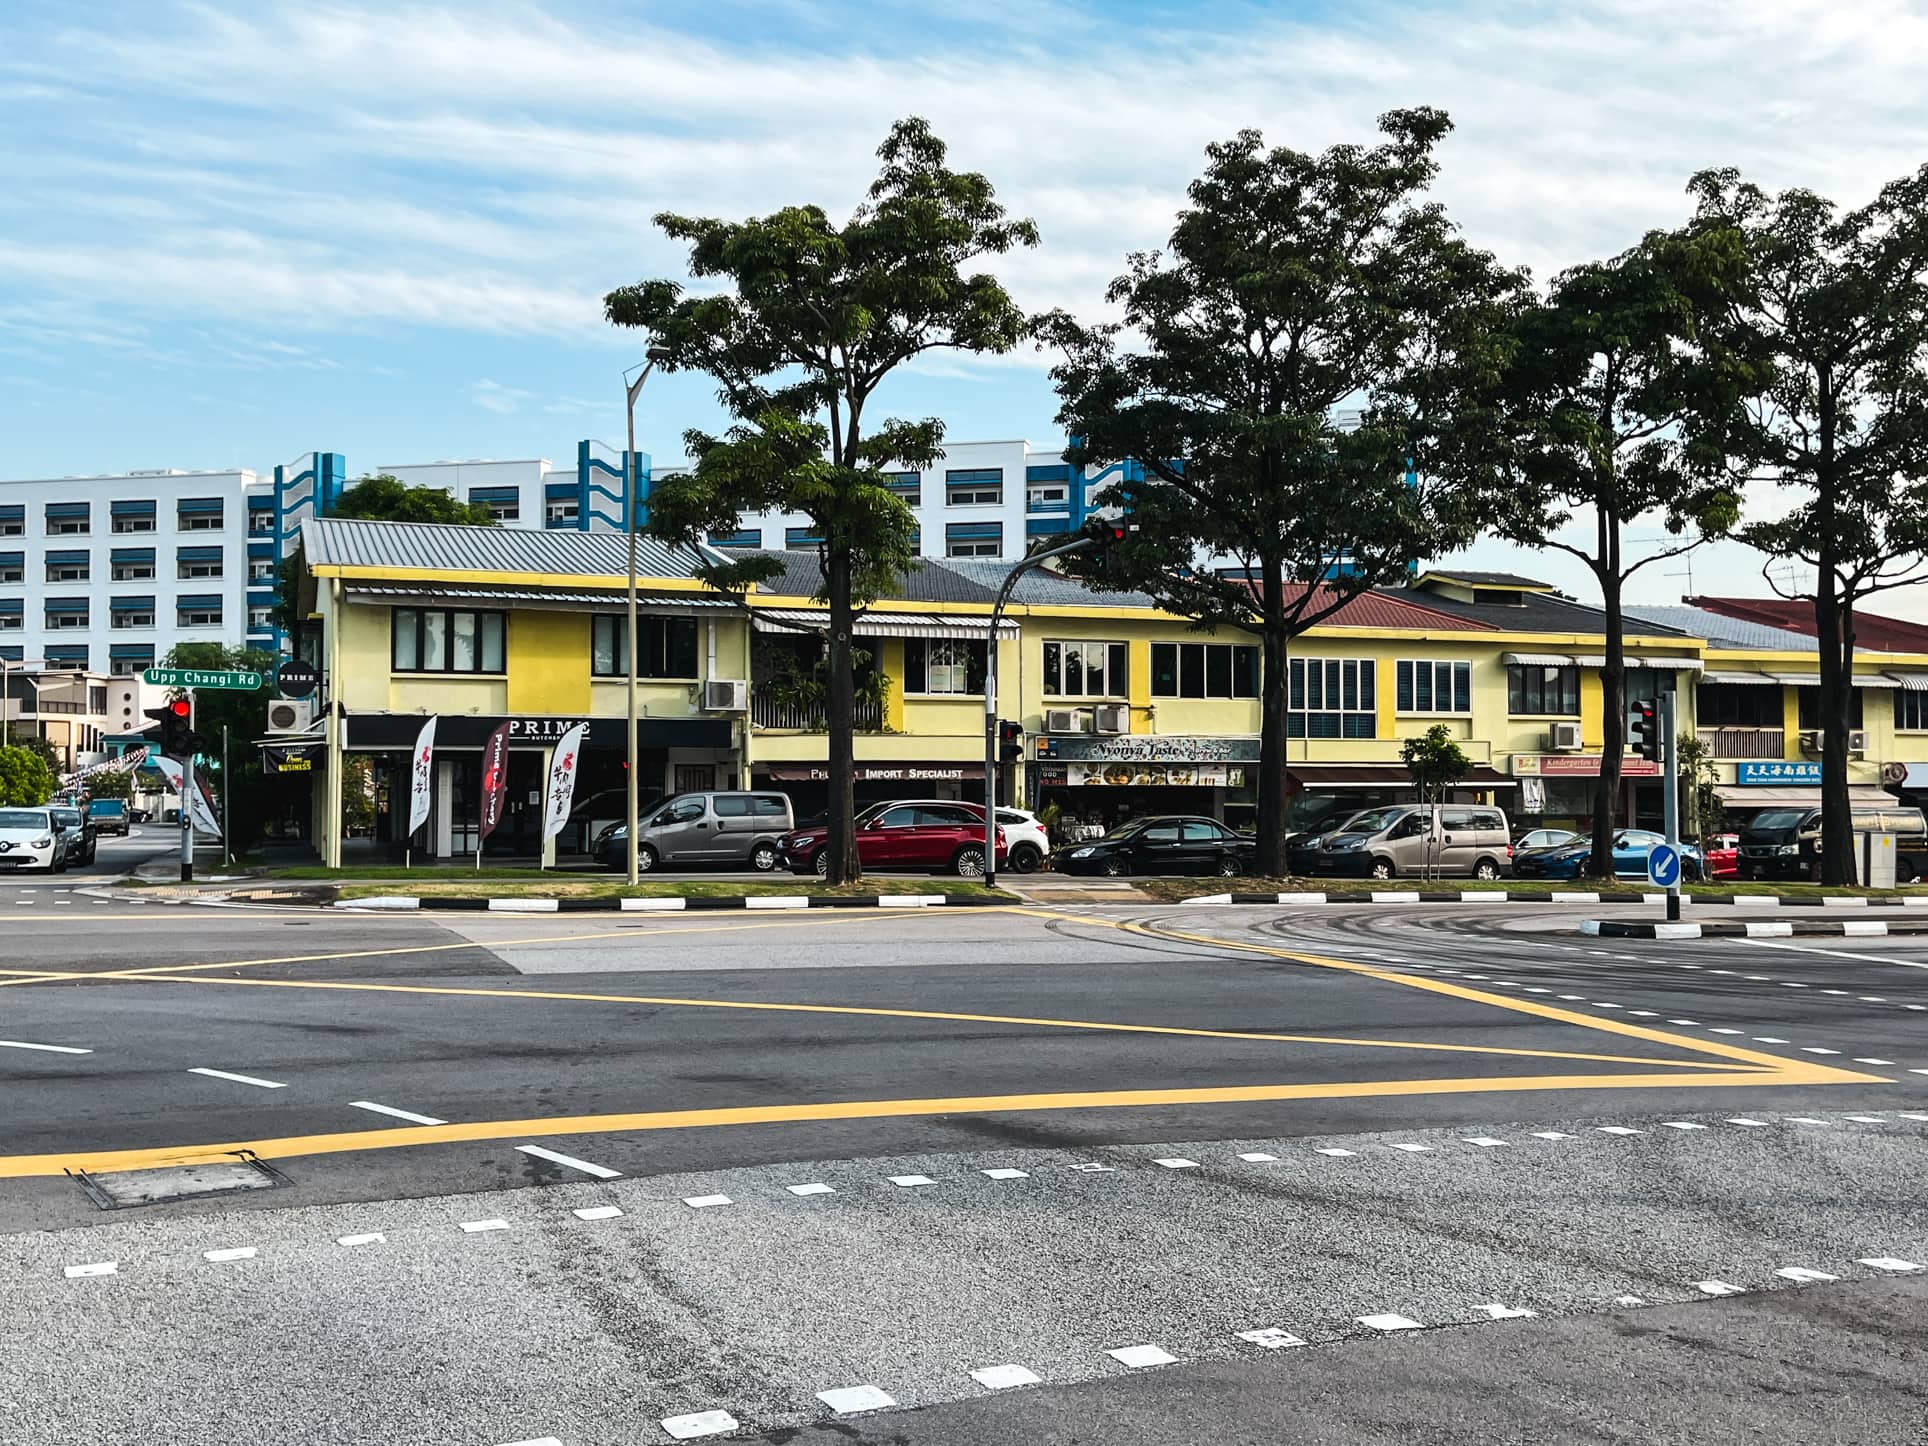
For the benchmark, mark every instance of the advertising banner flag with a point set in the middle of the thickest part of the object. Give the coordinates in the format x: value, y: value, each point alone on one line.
x: 422, y: 781
x: 562, y: 781
x: 495, y: 778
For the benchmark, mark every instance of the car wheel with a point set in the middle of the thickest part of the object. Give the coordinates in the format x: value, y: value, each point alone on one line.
x: 1228, y: 867
x: 1382, y: 868
x: 1024, y: 859
x: 645, y: 858
x: 59, y: 865
x: 763, y: 857
x: 1486, y: 869
x: 969, y: 862
x: 822, y: 862
x: 1690, y: 871
x: 1115, y: 866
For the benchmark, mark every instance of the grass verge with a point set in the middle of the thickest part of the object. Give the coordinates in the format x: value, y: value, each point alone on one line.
x: 1178, y: 889
x: 565, y: 887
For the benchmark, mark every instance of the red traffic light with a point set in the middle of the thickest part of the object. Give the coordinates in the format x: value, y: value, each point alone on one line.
x: 180, y: 707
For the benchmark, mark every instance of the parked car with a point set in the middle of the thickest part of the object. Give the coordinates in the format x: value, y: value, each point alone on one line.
x: 1630, y: 849
x: 1164, y: 845
x: 108, y: 815
x: 30, y: 839
x: 1457, y: 839
x: 1544, y: 838
x: 931, y: 835
x: 1029, y: 843
x: 722, y: 828
x: 1785, y: 843
x: 81, y: 837
x: 1722, y: 854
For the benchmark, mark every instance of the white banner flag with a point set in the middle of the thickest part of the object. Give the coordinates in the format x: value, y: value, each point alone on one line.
x: 562, y: 781
x: 422, y: 781
x: 198, y: 801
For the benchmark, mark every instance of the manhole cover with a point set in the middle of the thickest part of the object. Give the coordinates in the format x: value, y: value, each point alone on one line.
x: 121, y: 1189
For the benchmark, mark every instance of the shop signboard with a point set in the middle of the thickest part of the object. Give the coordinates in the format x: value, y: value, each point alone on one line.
x: 1578, y: 765
x: 1154, y: 775
x: 1755, y: 774
x: 879, y: 772
x: 1145, y: 748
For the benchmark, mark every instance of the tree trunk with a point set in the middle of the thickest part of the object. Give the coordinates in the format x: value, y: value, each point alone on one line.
x: 1835, y: 631
x: 1613, y: 722
x: 845, y: 866
x: 1273, y: 695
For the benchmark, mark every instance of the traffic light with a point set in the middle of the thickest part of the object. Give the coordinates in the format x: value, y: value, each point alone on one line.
x: 1109, y: 536
x: 1010, y: 741
x: 177, y: 736
x: 1646, y: 729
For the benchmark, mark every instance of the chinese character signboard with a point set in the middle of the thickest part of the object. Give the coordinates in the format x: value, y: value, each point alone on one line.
x: 1139, y: 748
x: 562, y: 781
x: 1784, y: 773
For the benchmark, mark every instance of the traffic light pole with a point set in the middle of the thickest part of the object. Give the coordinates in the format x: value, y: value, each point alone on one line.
x: 187, y: 812
x: 1670, y: 800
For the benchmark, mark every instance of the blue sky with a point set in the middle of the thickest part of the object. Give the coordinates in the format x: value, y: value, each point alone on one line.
x: 236, y: 233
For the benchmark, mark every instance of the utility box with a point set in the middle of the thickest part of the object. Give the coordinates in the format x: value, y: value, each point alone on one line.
x: 1875, y: 853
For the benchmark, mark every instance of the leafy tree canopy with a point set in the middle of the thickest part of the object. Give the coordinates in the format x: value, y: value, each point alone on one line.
x: 25, y: 779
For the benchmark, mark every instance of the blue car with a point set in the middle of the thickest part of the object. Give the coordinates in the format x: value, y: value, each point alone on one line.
x: 1630, y: 849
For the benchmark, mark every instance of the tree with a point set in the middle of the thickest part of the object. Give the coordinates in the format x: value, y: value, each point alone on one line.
x: 379, y: 498
x: 111, y: 783
x: 1296, y: 283
x: 43, y: 749
x: 25, y: 779
x: 250, y: 797
x: 1702, y: 812
x: 1834, y: 324
x: 1608, y: 381
x: 1436, y: 762
x: 813, y: 317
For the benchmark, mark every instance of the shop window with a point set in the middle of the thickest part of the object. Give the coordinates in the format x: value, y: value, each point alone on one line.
x: 446, y: 640
x: 1911, y: 710
x: 1809, y: 703
x: 668, y: 647
x: 1332, y: 698
x: 1085, y: 670
x: 1432, y: 687
x: 944, y: 666
x: 1204, y: 670
x: 1532, y: 689
x: 1738, y: 705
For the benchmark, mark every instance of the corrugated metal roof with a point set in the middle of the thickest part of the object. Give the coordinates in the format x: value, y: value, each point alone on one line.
x: 448, y: 547
x: 1041, y: 586
x: 1487, y: 579
x: 929, y: 579
x: 882, y: 624
x: 1725, y: 632
x: 605, y: 599
x: 1536, y: 612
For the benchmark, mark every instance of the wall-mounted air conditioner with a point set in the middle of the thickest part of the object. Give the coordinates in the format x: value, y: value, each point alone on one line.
x: 1111, y: 718
x: 1811, y: 740
x: 726, y: 695
x: 1563, y: 738
x: 1857, y: 742
x: 291, y: 715
x: 1065, y: 720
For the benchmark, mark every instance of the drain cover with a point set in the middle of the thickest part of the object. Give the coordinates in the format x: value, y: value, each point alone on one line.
x: 124, y: 1188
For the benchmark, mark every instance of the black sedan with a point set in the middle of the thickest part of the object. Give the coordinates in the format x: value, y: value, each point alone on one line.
x: 1168, y: 845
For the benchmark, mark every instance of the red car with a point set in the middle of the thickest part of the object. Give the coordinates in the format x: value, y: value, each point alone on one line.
x: 1723, y: 854
x: 935, y: 836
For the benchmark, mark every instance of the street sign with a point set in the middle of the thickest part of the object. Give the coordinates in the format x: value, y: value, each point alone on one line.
x: 230, y: 678
x: 297, y: 679
x: 1663, y: 866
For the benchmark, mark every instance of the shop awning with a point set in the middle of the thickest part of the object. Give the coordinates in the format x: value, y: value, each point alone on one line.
x: 1537, y: 660
x: 541, y: 597
x: 1913, y: 682
x: 1635, y: 660
x: 1813, y: 680
x: 879, y: 625
x: 1743, y: 680
x: 1384, y: 775
x: 1860, y: 795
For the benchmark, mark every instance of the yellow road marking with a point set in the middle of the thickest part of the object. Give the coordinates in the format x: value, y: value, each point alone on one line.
x: 295, y: 1146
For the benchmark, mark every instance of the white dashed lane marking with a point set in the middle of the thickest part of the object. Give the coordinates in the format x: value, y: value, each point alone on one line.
x: 600, y: 1172
x: 46, y: 1048
x: 246, y: 1079
x: 390, y: 1110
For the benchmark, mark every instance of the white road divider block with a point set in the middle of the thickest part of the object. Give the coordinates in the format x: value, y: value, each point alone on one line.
x: 777, y: 901
x: 699, y: 1423
x: 652, y: 906
x: 1141, y: 1357
x: 848, y: 1400
x: 381, y: 903
x: 1768, y: 931
x: 1864, y: 928
x: 524, y: 906
x: 1395, y: 896
x: 906, y: 901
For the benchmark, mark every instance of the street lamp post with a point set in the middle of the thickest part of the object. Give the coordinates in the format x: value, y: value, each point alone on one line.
x: 635, y: 389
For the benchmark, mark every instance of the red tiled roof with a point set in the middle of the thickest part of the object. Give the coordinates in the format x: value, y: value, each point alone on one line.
x: 1378, y: 610
x: 1871, y: 630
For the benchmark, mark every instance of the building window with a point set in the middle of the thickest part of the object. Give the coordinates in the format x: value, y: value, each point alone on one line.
x: 742, y: 537
x: 974, y: 486
x: 1534, y: 689
x: 13, y: 567
x: 125, y: 659
x: 908, y: 487
x: 560, y: 512
x: 1047, y: 496
x: 446, y: 640
x: 134, y: 522
x: 199, y: 612
x: 66, y: 613
x: 798, y: 538
x: 68, y: 567
x: 504, y: 503
x: 1911, y: 710
x: 200, y: 514
x: 69, y: 655
x: 133, y: 569
x: 1084, y: 670
x: 1204, y: 670
x: 1332, y: 698
x: 199, y: 562
x: 258, y: 620
x: 944, y: 666
x: 1738, y: 705
x: 11, y: 622
x: 1808, y: 701
x: 132, y: 612
x: 13, y: 521
x: 973, y: 539
x: 68, y: 519
x: 668, y: 647
x: 260, y: 521
x: 1429, y: 687
x: 260, y: 569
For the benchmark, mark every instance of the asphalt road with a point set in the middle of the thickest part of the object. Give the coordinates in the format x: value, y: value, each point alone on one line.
x: 1199, y: 1122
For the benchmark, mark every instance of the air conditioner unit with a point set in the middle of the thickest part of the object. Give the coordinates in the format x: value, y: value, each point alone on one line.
x: 1811, y: 740
x: 1064, y: 720
x: 1563, y: 738
x: 1111, y: 718
x: 1857, y: 742
x: 291, y: 715
x: 726, y: 695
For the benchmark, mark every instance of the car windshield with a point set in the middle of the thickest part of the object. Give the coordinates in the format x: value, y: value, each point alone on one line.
x: 1779, y: 818
x: 1129, y: 827
x: 1373, y: 820
x: 22, y: 818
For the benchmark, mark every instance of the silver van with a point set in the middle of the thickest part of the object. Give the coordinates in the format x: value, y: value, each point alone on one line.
x: 1460, y: 840
x: 718, y: 828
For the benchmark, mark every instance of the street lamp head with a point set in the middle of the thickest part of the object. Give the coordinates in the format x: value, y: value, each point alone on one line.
x: 658, y: 353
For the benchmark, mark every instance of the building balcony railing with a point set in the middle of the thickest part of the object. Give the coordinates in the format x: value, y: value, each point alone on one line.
x: 1746, y: 742
x: 768, y: 712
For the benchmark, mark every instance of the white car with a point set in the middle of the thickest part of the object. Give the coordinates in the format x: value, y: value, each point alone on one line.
x: 30, y: 839
x: 1027, y: 845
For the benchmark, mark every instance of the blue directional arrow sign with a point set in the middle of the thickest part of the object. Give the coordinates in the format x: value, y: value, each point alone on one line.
x: 1663, y: 866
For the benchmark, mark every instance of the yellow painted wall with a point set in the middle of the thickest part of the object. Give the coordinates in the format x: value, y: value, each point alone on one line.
x: 548, y: 656
x: 1791, y: 723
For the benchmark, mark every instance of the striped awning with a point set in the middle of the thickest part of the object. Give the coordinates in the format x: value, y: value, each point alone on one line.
x: 68, y: 509
x: 136, y: 507
x: 879, y: 625
x: 202, y: 505
x: 1913, y: 682
x: 1743, y: 680
x: 583, y: 600
x: 1538, y: 660
x: 198, y: 554
x: 1813, y: 680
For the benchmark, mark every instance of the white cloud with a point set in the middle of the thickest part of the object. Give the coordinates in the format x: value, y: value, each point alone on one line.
x: 492, y: 396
